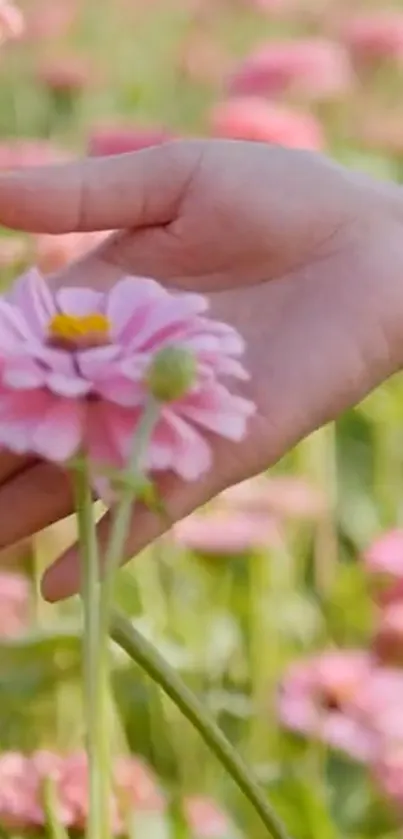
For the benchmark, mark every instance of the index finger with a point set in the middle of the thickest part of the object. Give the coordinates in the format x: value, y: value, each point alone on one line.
x: 138, y: 189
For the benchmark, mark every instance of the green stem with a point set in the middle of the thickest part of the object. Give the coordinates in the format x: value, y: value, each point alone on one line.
x: 123, y: 513
x: 144, y: 654
x: 56, y: 829
x: 94, y: 686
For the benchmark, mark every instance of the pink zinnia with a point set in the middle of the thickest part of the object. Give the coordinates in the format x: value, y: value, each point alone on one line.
x: 388, y: 641
x: 313, y: 69
x: 206, y: 819
x: 83, y: 357
x: 287, y: 496
x: 384, y: 557
x: 318, y: 696
x: 249, y: 118
x: 226, y: 534
x: 374, y: 36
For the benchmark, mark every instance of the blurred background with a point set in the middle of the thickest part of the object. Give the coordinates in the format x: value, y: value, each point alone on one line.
x: 281, y: 604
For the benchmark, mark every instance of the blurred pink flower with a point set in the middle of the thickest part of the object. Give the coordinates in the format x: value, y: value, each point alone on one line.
x: 317, y: 699
x: 120, y: 139
x: 387, y: 772
x: 14, y: 603
x: 249, y: 118
x: 65, y: 74
x: 387, y: 643
x: 49, y: 20
x: 374, y: 36
x: 226, y: 534
x: 12, y: 22
x: 384, y: 557
x: 82, y: 357
x: 53, y: 252
x: 22, y: 780
x: 313, y: 69
x: 282, y: 495
x: 206, y: 819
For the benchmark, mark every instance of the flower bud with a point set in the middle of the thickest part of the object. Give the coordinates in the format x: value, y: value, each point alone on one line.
x: 171, y: 373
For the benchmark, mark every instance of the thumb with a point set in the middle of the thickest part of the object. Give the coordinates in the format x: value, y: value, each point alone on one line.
x: 141, y: 189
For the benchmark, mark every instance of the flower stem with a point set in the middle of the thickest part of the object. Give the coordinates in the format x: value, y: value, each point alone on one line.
x: 123, y: 513
x: 94, y: 685
x: 144, y: 654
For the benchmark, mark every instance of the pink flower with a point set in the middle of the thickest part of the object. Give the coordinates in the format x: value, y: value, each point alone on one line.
x: 12, y: 23
x: 120, y: 139
x: 22, y: 782
x: 83, y: 357
x: 205, y: 818
x: 374, y: 36
x: 282, y: 495
x: 49, y: 20
x: 388, y: 641
x: 249, y: 118
x: 314, y: 69
x: 383, y: 559
x: 67, y: 74
x: 317, y: 699
x: 226, y: 534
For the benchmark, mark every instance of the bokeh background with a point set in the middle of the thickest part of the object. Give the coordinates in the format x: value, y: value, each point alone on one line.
x: 281, y: 604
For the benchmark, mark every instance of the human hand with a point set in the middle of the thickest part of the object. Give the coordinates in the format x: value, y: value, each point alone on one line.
x: 303, y: 257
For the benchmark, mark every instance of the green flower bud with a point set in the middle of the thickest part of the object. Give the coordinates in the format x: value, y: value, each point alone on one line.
x: 171, y: 373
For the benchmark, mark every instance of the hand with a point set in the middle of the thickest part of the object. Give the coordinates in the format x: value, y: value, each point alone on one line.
x: 303, y: 257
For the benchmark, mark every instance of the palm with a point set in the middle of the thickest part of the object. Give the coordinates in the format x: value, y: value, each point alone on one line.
x: 319, y: 333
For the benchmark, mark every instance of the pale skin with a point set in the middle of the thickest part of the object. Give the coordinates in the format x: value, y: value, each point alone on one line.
x: 302, y: 256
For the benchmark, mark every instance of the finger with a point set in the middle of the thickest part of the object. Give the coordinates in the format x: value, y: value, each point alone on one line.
x: 130, y: 190
x: 35, y: 498
x: 62, y: 579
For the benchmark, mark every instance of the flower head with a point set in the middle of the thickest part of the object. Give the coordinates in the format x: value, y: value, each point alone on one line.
x: 251, y: 118
x: 318, y: 699
x: 313, y: 69
x: 74, y: 365
x: 226, y: 533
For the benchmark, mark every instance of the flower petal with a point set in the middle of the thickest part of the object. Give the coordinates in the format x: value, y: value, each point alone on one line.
x: 80, y: 301
x: 69, y: 386
x: 164, y: 317
x: 128, y: 299
x: 22, y: 373
x: 31, y: 295
x: 58, y: 436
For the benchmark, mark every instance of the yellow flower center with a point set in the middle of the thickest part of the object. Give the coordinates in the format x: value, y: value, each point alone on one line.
x: 79, y: 330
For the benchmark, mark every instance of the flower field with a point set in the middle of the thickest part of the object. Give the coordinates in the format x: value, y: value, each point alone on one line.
x: 281, y: 603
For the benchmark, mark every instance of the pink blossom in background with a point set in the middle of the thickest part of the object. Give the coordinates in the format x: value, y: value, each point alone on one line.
x: 374, y: 36
x: 12, y: 22
x: 22, y: 780
x: 317, y: 699
x: 83, y: 356
x: 387, y: 643
x: 387, y: 772
x: 313, y: 69
x: 14, y: 604
x: 121, y: 139
x: 53, y: 252
x: 383, y: 559
x: 283, y: 495
x: 226, y: 534
x: 249, y: 118
x: 65, y: 74
x: 49, y: 20
x: 206, y: 819
x: 201, y: 60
